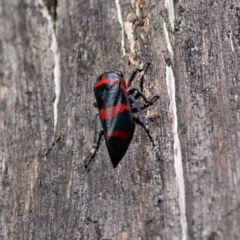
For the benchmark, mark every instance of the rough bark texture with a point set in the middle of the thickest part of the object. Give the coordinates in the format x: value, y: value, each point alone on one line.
x: 184, y: 184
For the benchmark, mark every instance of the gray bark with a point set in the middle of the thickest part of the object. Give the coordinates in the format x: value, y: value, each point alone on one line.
x: 182, y: 185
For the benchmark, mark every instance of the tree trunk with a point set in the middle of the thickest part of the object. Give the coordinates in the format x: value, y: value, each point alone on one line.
x: 184, y: 184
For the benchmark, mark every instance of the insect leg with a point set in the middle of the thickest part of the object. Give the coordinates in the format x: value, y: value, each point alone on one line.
x: 96, y: 141
x: 135, y: 71
x: 133, y: 89
x: 144, y: 120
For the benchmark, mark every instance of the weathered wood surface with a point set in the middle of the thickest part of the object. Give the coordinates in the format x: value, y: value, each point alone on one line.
x: 185, y: 185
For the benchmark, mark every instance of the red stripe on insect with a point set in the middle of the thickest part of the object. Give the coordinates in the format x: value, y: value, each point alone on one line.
x: 121, y: 134
x: 105, y: 81
x: 110, y: 112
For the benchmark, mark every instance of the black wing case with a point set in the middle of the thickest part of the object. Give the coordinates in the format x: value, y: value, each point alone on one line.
x: 116, y: 118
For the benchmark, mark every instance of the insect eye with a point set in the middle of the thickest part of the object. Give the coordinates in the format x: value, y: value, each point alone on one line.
x: 120, y: 74
x: 99, y: 78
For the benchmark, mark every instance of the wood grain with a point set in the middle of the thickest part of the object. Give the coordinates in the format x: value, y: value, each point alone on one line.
x: 46, y: 193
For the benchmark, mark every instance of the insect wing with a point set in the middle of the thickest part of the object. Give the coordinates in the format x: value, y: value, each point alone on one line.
x: 116, y: 117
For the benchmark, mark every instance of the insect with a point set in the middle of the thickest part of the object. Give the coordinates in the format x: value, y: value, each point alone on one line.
x: 115, y: 98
